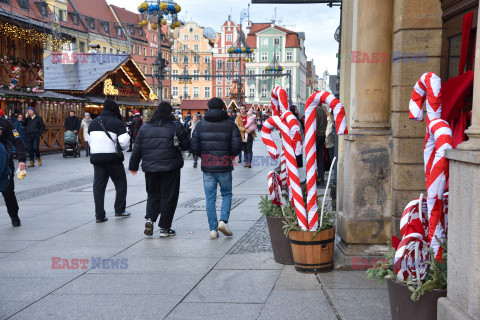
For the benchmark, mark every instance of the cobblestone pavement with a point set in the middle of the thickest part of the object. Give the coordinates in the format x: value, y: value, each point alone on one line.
x: 256, y: 239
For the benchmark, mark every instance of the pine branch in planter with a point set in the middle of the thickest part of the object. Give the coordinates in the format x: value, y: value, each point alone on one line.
x: 267, y: 208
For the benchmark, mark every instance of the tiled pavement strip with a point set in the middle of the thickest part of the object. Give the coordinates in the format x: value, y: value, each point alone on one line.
x: 185, y: 277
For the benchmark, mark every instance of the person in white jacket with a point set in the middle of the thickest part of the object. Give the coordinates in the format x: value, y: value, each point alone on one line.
x: 85, y: 123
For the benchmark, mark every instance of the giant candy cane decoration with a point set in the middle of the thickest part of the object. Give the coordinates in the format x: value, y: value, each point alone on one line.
x: 291, y: 161
x: 279, y: 102
x: 316, y: 99
x: 438, y: 138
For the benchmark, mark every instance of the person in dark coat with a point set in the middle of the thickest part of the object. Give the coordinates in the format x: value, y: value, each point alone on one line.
x: 35, y: 127
x: 138, y: 123
x: 72, y: 122
x: 132, y: 127
x: 107, y: 163
x: 217, y: 140
x: 159, y: 145
x: 9, y: 137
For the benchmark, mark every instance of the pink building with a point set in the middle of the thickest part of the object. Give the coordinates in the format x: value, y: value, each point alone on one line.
x: 228, y: 38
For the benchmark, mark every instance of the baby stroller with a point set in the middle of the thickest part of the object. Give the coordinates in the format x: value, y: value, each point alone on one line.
x: 70, y: 146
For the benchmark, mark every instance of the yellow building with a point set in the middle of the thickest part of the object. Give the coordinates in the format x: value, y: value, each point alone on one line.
x: 192, y: 56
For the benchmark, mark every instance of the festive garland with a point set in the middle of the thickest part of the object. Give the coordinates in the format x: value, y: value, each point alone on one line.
x: 22, y: 62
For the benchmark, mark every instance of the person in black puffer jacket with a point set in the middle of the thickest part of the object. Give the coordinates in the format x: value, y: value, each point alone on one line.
x: 217, y: 140
x: 106, y: 163
x: 161, y: 162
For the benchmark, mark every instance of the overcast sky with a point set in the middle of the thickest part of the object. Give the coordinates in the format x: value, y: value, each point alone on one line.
x: 318, y: 21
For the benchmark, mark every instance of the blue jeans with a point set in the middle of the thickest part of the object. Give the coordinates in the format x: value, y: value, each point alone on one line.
x: 33, y: 147
x: 210, y: 182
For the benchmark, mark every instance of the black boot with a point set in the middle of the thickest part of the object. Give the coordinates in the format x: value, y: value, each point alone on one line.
x: 15, y: 220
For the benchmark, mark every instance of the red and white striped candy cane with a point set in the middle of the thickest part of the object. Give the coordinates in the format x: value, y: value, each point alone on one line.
x: 280, y: 103
x: 438, y: 138
x: 292, y: 169
x: 275, y: 188
x: 428, y: 88
x: 316, y: 99
x: 283, y: 171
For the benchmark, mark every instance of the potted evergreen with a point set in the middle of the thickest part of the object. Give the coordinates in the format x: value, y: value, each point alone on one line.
x: 282, y: 252
x: 413, y: 299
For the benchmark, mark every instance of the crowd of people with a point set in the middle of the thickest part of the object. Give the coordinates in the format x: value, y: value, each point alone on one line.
x: 218, y: 138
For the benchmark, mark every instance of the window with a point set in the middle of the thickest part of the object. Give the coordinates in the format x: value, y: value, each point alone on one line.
x: 237, y: 65
x: 229, y: 37
x: 219, y: 80
x: 264, y: 56
x: 61, y: 15
x: 175, y: 91
x: 119, y: 31
x: 264, y: 92
x: 264, y: 42
x: 219, y: 64
x: 104, y: 49
x: 206, y: 60
x: 228, y: 80
x: 106, y: 28
x: 264, y: 72
x: 277, y: 56
x: 43, y: 8
x: 185, y: 92
x: 81, y: 47
x: 91, y: 23
x: 252, y: 72
x: 196, y: 59
x: 289, y: 55
x: 276, y: 41
x: 251, y: 92
x: 219, y: 92
x: 195, y: 37
x: 229, y: 65
x: 138, y: 50
x: 174, y: 59
x: 185, y: 59
x: 151, y: 70
x: 144, y: 51
x: 196, y: 73
x: 174, y: 74
x: 154, y: 38
x: 207, y: 73
x: 185, y: 47
x: 196, y: 92
x: 140, y: 32
x: 144, y: 69
x: 151, y: 52
x: 207, y: 92
x: 195, y: 47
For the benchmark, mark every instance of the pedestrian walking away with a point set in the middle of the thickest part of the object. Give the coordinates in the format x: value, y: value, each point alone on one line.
x: 131, y: 125
x: 108, y: 137
x: 191, y: 127
x: 217, y: 140
x: 85, y: 124
x: 159, y: 145
x: 247, y: 126
x: 35, y: 127
x: 9, y: 136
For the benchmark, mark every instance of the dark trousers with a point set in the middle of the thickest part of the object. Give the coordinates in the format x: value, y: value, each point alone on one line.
x: 9, y: 194
x: 247, y: 148
x: 163, y: 189
x: 195, y: 158
x: 132, y: 140
x: 320, y: 157
x: 101, y: 173
x: 33, y: 144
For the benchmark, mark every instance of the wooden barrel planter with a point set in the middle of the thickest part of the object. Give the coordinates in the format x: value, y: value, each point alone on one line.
x: 313, y: 255
x: 282, y: 251
x: 403, y: 308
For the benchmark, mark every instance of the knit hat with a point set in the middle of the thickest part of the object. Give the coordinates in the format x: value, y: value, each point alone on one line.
x: 87, y: 114
x: 31, y: 108
x: 110, y: 105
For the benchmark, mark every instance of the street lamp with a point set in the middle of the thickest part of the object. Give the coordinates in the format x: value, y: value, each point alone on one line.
x: 160, y: 13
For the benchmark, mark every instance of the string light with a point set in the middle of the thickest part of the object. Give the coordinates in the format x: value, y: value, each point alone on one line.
x: 30, y: 36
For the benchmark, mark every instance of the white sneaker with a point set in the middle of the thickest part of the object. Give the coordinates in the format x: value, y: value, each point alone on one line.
x: 213, y: 234
x: 223, y: 227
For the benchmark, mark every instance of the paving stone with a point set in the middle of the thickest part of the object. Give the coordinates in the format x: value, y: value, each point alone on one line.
x: 361, y: 304
x: 249, y: 261
x: 208, y: 311
x: 297, y: 304
x: 234, y: 286
x: 290, y: 279
x: 348, y: 280
x: 257, y: 239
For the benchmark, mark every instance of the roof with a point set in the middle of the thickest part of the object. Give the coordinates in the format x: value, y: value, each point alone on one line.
x: 194, y: 105
x: 46, y: 94
x: 292, y: 36
x: 79, y: 76
x: 101, y: 13
x: 128, y: 17
x: 33, y: 15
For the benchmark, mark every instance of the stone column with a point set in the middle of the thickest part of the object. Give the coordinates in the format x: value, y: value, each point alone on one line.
x: 463, y: 298
x: 364, y: 224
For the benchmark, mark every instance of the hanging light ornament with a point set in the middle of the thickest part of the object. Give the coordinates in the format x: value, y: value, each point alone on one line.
x: 160, y: 13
